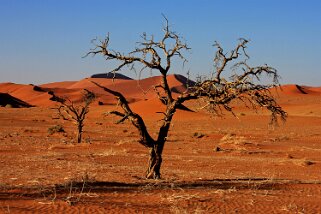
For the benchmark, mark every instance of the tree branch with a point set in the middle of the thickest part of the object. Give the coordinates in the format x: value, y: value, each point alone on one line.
x: 146, y: 140
x: 220, y: 92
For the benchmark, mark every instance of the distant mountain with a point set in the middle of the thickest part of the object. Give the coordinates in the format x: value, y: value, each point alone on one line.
x: 111, y: 75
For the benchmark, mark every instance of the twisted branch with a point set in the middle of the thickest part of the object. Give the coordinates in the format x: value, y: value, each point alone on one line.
x: 148, y: 54
x: 219, y: 92
x: 146, y: 140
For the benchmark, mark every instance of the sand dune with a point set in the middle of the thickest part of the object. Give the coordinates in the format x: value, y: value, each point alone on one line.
x: 8, y: 100
x: 39, y: 96
x: 298, y: 90
x: 138, y: 91
x: 134, y: 90
x: 64, y: 84
x: 27, y: 93
x: 313, y: 89
x: 299, y: 100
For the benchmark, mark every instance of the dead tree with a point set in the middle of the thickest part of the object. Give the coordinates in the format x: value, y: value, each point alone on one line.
x: 216, y: 92
x: 68, y: 110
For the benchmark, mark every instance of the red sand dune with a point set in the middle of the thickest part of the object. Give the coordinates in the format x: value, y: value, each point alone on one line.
x: 299, y: 100
x: 141, y: 85
x: 64, y: 84
x: 313, y: 89
x: 27, y: 93
x: 7, y: 99
x: 153, y: 108
x: 38, y: 96
x: 298, y: 90
x: 134, y: 90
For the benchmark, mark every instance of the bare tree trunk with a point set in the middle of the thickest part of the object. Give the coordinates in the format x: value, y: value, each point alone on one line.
x: 155, y: 161
x: 155, y: 156
x: 79, y: 133
x: 151, y: 163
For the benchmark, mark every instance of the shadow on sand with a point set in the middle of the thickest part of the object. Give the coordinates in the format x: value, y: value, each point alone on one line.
x: 11, y: 193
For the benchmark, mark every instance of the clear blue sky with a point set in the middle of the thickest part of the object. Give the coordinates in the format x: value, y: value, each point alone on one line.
x: 44, y: 40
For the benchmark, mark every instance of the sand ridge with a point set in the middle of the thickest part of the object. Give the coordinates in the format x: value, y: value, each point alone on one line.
x: 134, y: 90
x: 141, y: 95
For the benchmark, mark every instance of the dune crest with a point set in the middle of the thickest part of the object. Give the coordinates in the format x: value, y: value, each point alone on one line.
x: 293, y: 89
x: 134, y: 90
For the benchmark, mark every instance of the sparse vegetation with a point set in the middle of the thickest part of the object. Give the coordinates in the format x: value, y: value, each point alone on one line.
x: 56, y: 129
x: 232, y: 138
x: 308, y: 162
x: 198, y: 135
x: 68, y: 110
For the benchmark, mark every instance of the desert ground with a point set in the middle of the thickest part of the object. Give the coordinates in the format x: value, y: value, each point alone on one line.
x: 210, y: 164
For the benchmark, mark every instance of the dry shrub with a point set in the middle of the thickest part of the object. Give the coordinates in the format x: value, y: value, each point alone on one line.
x: 280, y: 138
x: 304, y: 162
x: 233, y: 139
x: 307, y: 163
x: 56, y: 129
x: 198, y: 135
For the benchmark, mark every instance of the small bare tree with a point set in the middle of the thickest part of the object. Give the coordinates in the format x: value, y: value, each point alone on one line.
x: 216, y: 91
x: 76, y: 113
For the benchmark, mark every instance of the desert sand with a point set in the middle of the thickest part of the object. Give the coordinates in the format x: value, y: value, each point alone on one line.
x: 210, y: 164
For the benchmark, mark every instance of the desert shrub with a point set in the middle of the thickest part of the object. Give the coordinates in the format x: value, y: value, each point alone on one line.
x: 198, y: 135
x: 233, y: 139
x: 217, y: 149
x: 55, y: 129
x: 307, y: 162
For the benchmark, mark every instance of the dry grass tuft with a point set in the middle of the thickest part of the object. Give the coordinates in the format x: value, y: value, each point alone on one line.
x: 56, y: 129
x: 233, y: 139
x: 199, y: 135
x: 308, y: 162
